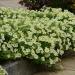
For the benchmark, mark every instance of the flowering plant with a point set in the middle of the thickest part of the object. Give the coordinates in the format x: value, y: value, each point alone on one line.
x: 39, y: 35
x: 2, y: 71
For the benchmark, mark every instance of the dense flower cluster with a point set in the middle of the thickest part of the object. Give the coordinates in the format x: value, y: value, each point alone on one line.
x: 2, y: 71
x: 40, y: 35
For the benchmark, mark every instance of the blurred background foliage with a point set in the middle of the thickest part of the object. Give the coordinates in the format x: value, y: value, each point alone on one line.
x: 37, y: 4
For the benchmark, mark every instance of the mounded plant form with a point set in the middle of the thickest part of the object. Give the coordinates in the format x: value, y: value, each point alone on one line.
x: 42, y: 35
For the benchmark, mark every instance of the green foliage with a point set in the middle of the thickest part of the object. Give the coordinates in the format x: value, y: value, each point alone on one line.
x: 2, y: 71
x: 39, y: 35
